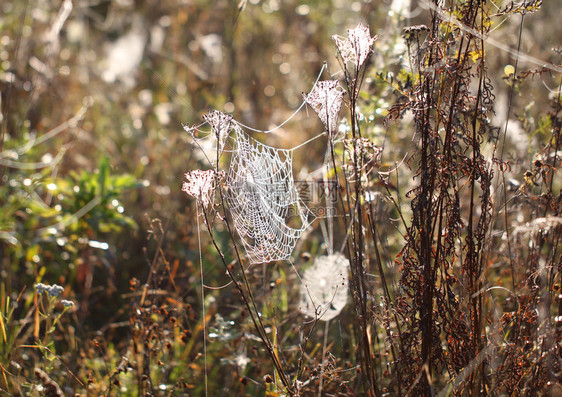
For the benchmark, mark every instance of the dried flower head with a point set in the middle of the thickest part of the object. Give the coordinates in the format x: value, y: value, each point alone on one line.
x: 363, y: 156
x: 412, y: 32
x: 221, y: 124
x: 212, y: 144
x: 326, y: 99
x: 201, y: 185
x: 357, y: 47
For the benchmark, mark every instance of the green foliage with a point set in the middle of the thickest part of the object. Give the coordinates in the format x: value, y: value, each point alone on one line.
x: 52, y: 219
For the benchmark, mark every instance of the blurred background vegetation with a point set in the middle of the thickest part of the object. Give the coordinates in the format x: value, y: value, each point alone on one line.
x: 92, y: 157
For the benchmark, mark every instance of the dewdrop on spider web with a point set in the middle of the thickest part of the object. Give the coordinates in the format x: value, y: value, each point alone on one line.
x: 357, y: 47
x: 324, y: 289
x: 263, y: 199
x: 326, y: 99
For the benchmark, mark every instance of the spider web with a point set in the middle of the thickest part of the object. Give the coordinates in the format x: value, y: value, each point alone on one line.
x: 263, y: 199
x: 212, y: 145
x: 326, y: 100
x: 324, y: 288
x: 357, y: 47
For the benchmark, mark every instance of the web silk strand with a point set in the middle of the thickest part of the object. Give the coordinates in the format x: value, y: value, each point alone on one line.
x: 324, y: 66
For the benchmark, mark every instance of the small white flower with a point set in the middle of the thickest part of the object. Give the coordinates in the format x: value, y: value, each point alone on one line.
x: 52, y: 290
x: 55, y: 290
x: 67, y: 303
x: 40, y: 287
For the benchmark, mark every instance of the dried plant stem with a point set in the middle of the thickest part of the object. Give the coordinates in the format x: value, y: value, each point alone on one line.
x: 203, y: 314
x: 248, y: 299
x: 358, y: 281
